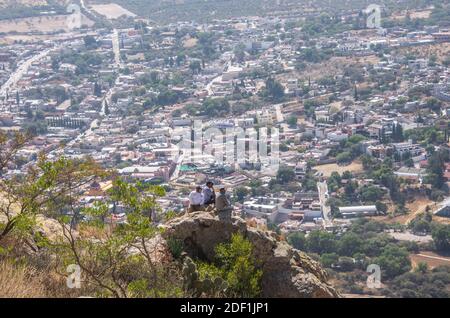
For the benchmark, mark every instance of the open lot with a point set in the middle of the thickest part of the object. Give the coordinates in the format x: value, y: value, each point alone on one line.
x: 441, y: 50
x: 431, y: 259
x: 327, y: 170
x: 416, y: 14
x: 191, y: 42
x: 44, y: 24
x: 28, y: 3
x: 419, y: 205
x: 112, y: 10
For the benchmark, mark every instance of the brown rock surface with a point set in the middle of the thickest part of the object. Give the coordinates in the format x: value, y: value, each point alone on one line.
x: 286, y: 272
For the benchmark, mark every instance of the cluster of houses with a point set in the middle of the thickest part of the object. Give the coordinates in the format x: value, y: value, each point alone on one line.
x: 115, y: 113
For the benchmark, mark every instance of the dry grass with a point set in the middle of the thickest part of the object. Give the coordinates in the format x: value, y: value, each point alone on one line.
x: 332, y: 67
x: 27, y: 3
x: 40, y: 24
x: 189, y: 43
x: 433, y: 260
x: 18, y: 281
x: 441, y: 50
x: 327, y: 170
x: 112, y: 11
x: 416, y: 207
x: 417, y: 14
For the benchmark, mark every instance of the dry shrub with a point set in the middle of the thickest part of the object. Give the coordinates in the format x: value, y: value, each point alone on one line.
x: 19, y: 281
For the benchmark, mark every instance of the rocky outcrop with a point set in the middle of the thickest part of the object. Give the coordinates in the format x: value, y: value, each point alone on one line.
x: 286, y: 272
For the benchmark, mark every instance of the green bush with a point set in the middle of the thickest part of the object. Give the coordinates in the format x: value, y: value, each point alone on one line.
x: 236, y: 260
x: 175, y: 247
x: 234, y: 263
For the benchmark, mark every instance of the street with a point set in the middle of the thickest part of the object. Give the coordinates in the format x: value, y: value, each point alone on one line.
x: 322, y: 188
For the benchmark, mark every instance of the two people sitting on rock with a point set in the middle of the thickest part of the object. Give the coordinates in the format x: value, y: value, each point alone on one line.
x: 204, y: 199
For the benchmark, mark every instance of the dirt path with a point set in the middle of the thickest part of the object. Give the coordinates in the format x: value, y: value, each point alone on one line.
x: 431, y: 259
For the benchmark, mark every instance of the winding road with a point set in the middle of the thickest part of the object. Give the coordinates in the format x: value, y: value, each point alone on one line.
x: 17, y: 75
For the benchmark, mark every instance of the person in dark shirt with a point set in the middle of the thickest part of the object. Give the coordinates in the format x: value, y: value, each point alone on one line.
x: 209, y: 195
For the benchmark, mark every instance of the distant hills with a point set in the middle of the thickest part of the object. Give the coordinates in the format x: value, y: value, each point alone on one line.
x: 164, y: 11
x: 204, y: 10
x: 13, y: 9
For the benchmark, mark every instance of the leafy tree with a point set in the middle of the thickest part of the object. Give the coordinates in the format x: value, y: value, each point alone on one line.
x: 285, y: 175
x: 434, y: 105
x: 346, y: 264
x: 107, y: 111
x: 90, y: 42
x: 329, y: 259
x: 119, y: 261
x: 97, y: 89
x: 24, y: 196
x: 195, y: 67
x: 334, y: 181
x: 274, y: 89
x: 422, y: 268
x: 321, y: 242
x: 344, y: 157
x: 349, y: 244
x: 215, y: 107
x: 441, y: 237
x: 436, y: 168
x: 371, y: 194
x: 241, y: 193
x: 292, y: 121
x: 393, y: 261
x: 238, y: 268
x: 297, y: 240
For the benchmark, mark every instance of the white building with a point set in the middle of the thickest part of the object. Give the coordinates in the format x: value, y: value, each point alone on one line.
x: 358, y: 211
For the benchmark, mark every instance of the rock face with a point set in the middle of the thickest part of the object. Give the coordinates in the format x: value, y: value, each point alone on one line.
x: 286, y: 272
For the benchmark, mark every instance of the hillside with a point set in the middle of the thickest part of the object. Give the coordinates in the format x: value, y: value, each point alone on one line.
x: 200, y: 10
x: 285, y: 272
x: 13, y: 9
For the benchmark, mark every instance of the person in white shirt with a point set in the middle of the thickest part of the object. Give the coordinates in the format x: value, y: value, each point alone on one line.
x: 196, y: 200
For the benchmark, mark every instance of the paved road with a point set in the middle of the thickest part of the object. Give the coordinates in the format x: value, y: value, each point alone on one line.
x: 116, y: 48
x: 408, y: 236
x: 218, y: 78
x: 17, y: 75
x: 322, y: 187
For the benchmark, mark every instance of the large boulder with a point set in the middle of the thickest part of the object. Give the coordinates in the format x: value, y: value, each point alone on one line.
x: 286, y: 272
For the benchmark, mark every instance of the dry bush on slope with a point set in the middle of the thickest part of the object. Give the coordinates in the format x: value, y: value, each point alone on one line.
x: 18, y: 281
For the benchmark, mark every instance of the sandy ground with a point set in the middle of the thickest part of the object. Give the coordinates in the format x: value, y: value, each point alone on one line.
x: 441, y: 50
x: 40, y: 24
x: 416, y: 207
x: 332, y: 67
x: 28, y: 3
x: 432, y: 259
x: 327, y: 170
x: 12, y: 38
x: 422, y: 14
x: 190, y: 43
x: 112, y: 10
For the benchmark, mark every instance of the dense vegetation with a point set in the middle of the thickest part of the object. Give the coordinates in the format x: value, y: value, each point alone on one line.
x: 348, y: 255
x: 115, y: 261
x: 15, y: 11
x: 163, y: 11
